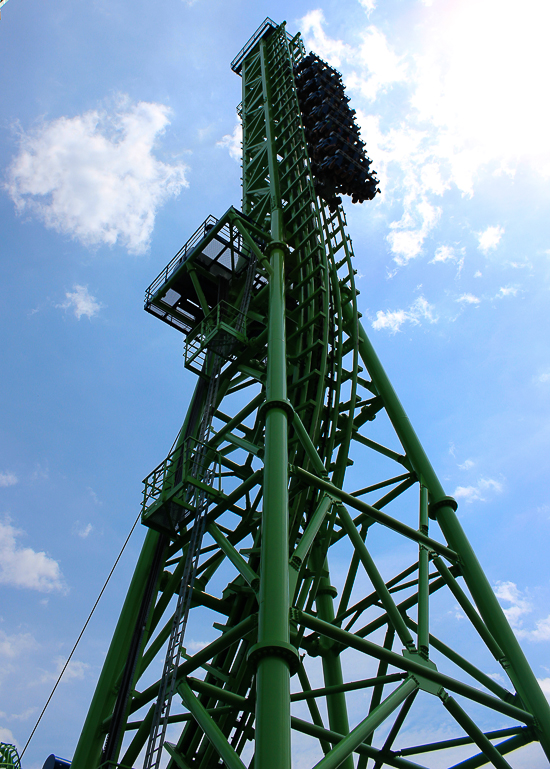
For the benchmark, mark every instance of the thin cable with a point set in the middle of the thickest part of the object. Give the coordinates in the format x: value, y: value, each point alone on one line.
x: 80, y: 636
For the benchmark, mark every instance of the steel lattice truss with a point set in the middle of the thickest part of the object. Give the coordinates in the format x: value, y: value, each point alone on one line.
x: 255, y: 531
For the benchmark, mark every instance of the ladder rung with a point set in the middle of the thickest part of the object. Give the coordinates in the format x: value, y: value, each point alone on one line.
x: 304, y: 379
x: 306, y: 351
x: 303, y: 328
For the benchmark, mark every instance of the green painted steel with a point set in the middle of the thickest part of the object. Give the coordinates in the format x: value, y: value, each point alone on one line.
x: 311, y: 647
x: 9, y: 757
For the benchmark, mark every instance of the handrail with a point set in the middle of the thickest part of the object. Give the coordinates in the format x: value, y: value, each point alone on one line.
x: 238, y: 60
x: 186, y: 249
x: 162, y: 480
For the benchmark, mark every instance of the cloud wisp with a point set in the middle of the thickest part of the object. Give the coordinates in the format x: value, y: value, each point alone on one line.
x: 23, y: 567
x: 444, y: 254
x: 75, y: 671
x: 81, y: 530
x: 517, y: 605
x: 233, y: 142
x: 8, y: 478
x: 13, y: 645
x: 490, y: 238
x: 468, y: 299
x: 505, y: 291
x: 392, y: 320
x: 95, y: 177
x: 478, y: 492
x: 81, y: 302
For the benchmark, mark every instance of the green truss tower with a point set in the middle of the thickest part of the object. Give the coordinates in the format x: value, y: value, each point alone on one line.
x: 315, y: 655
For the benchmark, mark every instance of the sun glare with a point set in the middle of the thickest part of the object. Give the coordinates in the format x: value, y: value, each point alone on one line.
x: 483, y: 75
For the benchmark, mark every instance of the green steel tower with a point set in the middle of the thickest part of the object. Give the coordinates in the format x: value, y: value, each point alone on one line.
x: 313, y: 649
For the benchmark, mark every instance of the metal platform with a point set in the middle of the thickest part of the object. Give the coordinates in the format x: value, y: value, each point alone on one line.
x: 189, y: 286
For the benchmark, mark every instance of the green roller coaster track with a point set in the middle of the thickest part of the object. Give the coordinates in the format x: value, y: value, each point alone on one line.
x: 9, y: 757
x: 315, y: 656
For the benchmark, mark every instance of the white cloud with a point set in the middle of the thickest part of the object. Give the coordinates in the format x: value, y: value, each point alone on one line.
x: 6, y: 735
x: 82, y: 531
x: 24, y: 567
x: 94, y: 176
x: 195, y: 646
x: 23, y: 716
x: 467, y: 465
x: 233, y: 142
x: 94, y: 495
x: 478, y: 274
x: 490, y: 238
x: 518, y: 605
x: 13, y: 645
x: 542, y: 378
x: 456, y: 123
x: 393, y: 320
x: 541, y: 631
x: 408, y: 234
x: 81, y: 301
x: 404, y: 162
x: 544, y: 684
x: 8, y: 479
x: 444, y: 254
x: 468, y: 299
x: 75, y: 671
x: 368, y: 5
x: 478, y: 492
x: 328, y: 48
x: 506, y: 291
x: 381, y: 67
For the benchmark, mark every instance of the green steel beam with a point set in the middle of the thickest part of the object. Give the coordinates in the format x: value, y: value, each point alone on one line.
x: 363, y: 750
x: 351, y: 742
x: 90, y: 744
x: 473, y: 731
x: 411, y: 666
x: 377, y: 515
x: 424, y: 580
x: 442, y: 744
x: 210, y: 728
x: 489, y: 608
x: 273, y: 750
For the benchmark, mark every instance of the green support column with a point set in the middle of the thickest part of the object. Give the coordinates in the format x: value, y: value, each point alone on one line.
x: 90, y: 744
x: 273, y: 648
x: 444, y: 511
x: 332, y: 669
x: 423, y: 579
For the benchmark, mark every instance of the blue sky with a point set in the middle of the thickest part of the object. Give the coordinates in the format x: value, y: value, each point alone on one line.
x: 120, y: 137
